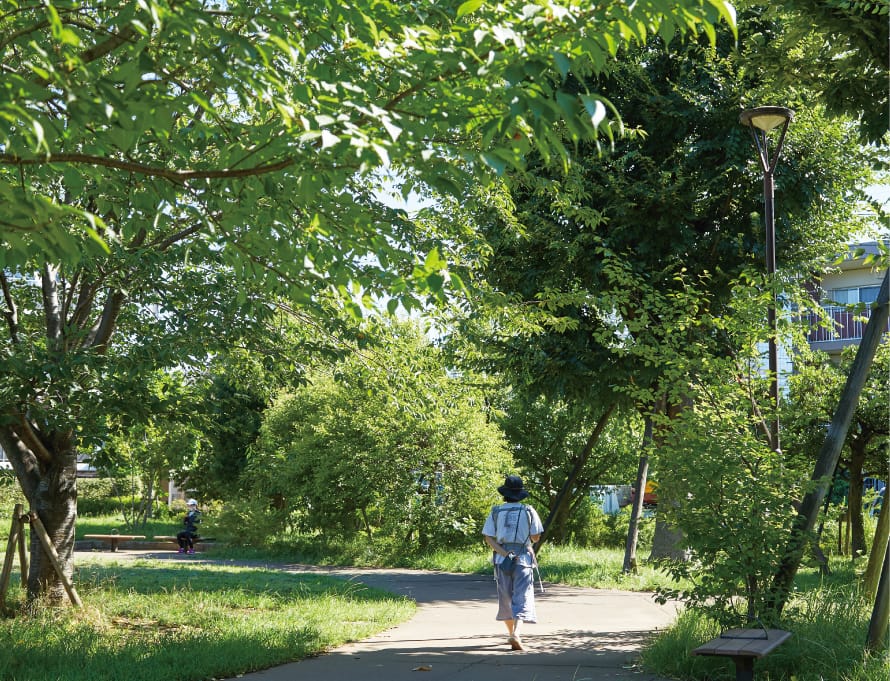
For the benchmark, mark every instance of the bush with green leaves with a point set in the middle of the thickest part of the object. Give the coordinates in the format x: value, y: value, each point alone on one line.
x: 731, y: 496
x: 97, y: 496
x: 590, y: 527
x: 10, y: 494
x: 388, y: 444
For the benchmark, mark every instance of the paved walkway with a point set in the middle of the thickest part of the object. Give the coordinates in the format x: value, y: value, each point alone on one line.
x: 581, y: 634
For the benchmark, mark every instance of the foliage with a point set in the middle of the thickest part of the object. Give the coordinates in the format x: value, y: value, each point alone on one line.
x: 589, y: 527
x: 235, y: 115
x: 156, y: 621
x: 10, y: 494
x: 144, y: 449
x: 730, y: 493
x: 814, y: 393
x: 389, y: 443
x: 238, y: 384
x: 171, y: 172
x: 548, y: 435
x: 838, y: 49
x: 234, y: 409
x: 610, y: 283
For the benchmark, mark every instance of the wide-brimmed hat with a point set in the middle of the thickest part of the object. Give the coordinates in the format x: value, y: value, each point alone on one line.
x: 512, y: 488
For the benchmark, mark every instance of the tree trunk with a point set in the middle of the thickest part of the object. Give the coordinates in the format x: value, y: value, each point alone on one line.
x: 854, y: 498
x: 48, y: 478
x: 831, y: 449
x: 633, y: 530
x: 564, y: 497
x: 668, y: 542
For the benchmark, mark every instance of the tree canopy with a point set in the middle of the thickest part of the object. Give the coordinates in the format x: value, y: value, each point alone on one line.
x: 170, y: 172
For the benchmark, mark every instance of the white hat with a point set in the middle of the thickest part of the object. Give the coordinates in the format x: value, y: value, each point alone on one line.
x: 192, y: 502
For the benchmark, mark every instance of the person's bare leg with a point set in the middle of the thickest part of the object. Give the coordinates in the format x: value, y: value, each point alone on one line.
x: 513, y: 634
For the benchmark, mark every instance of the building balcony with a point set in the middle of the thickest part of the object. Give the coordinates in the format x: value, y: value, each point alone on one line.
x: 846, y: 328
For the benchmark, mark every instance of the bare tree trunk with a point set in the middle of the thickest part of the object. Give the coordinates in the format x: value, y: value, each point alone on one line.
x: 831, y: 450
x: 564, y: 496
x: 854, y: 498
x: 49, y: 482
x: 668, y: 542
x: 633, y: 531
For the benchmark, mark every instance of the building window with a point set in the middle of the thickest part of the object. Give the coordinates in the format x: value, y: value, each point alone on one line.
x: 851, y: 296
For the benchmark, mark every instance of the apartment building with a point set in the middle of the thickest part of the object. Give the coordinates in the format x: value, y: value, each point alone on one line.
x: 856, y: 280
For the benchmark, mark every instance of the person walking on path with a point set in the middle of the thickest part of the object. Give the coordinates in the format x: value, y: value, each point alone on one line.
x: 192, y: 519
x: 510, y: 530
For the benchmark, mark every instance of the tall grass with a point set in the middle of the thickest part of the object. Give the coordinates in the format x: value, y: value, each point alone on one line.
x: 828, y: 620
x: 153, y: 621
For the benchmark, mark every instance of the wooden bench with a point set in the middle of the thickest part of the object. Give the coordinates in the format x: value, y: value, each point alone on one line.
x: 114, y: 539
x: 196, y: 540
x: 744, y: 646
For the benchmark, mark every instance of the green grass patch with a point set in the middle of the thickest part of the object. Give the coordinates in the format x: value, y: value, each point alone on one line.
x: 153, y: 621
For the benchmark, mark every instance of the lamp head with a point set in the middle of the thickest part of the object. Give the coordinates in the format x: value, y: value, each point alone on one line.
x: 766, y: 117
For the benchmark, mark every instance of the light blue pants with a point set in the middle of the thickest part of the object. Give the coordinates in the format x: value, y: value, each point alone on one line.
x: 516, y: 594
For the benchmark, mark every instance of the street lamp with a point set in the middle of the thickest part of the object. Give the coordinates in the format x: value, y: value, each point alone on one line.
x: 761, y: 121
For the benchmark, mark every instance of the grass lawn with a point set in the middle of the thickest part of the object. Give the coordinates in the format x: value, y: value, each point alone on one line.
x: 153, y: 621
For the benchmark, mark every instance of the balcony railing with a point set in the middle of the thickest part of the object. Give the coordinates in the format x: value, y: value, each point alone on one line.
x: 845, y: 325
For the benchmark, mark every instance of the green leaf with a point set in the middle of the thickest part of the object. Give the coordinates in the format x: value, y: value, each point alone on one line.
x: 563, y: 63
x: 469, y: 7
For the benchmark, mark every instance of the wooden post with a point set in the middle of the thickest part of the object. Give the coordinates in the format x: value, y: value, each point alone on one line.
x: 877, y: 626
x: 878, y: 548
x: 15, y: 533
x: 23, y: 553
x: 54, y: 558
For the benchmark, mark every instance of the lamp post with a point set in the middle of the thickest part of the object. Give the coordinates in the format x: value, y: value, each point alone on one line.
x: 761, y: 121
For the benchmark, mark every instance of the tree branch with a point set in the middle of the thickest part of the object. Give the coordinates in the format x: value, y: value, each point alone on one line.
x: 101, y: 332
x: 22, y: 459
x: 51, y: 310
x: 179, y: 176
x: 11, y: 313
x: 30, y: 438
x: 85, y: 297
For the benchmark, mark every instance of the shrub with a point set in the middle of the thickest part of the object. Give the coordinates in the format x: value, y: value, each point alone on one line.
x: 589, y: 527
x: 10, y: 494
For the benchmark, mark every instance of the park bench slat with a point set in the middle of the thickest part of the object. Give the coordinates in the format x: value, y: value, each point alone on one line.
x: 114, y: 539
x: 742, y: 646
x: 744, y: 642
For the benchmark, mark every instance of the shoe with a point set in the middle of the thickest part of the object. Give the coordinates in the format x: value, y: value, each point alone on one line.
x: 190, y: 551
x: 515, y: 642
x: 181, y: 551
